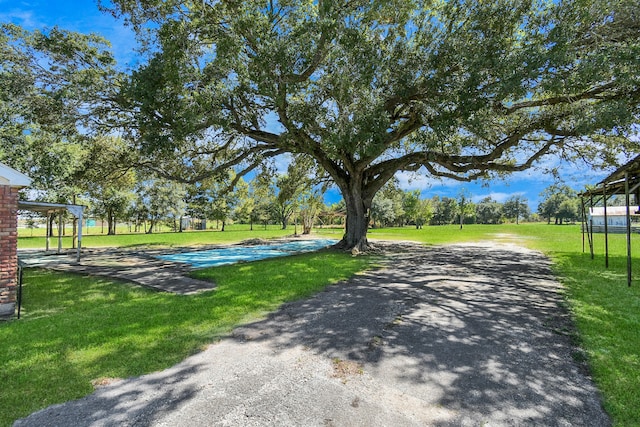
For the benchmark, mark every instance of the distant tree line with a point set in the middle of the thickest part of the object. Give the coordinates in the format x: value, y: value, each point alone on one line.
x: 146, y: 200
x: 395, y: 207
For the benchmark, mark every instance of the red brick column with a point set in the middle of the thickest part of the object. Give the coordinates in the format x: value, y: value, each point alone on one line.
x: 8, y: 250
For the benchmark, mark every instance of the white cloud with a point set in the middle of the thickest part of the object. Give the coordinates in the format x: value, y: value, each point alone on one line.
x: 499, y: 197
x: 422, y: 181
x: 25, y: 19
x: 282, y: 162
x: 122, y: 39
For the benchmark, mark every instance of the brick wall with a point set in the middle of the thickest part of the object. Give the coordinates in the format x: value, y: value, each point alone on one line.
x: 8, y: 250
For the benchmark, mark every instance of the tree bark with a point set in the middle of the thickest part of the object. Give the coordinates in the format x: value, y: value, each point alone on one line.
x: 284, y: 216
x: 307, y: 224
x: 111, y: 227
x: 51, y: 220
x: 357, y: 222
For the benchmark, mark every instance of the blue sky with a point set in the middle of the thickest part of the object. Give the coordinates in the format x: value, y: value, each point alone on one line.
x: 84, y: 16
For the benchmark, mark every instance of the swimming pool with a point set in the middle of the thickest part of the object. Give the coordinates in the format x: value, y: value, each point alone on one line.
x: 233, y: 254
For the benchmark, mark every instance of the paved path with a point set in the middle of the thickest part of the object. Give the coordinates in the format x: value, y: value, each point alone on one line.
x: 463, y: 335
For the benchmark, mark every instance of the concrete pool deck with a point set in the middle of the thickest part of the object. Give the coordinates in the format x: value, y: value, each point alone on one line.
x: 140, y: 267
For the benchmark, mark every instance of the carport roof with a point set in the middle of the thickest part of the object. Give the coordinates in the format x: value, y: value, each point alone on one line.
x: 615, y: 183
x: 44, y: 207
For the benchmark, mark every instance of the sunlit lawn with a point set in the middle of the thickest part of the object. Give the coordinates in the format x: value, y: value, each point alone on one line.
x: 76, y: 329
x: 232, y: 233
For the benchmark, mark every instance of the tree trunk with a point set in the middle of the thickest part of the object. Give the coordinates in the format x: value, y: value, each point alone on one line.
x: 357, y: 222
x: 110, y: 223
x: 151, y: 224
x: 307, y: 224
x: 51, y: 220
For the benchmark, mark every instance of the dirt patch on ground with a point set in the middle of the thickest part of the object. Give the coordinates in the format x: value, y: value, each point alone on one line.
x: 344, y: 369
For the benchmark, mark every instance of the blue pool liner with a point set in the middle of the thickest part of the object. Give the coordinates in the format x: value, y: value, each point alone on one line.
x: 234, y: 254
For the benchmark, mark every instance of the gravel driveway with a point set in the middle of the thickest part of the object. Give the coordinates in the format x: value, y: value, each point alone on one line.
x: 460, y: 335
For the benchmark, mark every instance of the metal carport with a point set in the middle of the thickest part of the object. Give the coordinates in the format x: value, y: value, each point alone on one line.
x: 624, y: 181
x: 50, y: 208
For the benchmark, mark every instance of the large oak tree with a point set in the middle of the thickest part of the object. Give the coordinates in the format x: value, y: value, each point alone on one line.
x: 451, y: 88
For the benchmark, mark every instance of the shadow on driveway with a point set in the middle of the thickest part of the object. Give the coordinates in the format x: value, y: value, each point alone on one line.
x: 442, y: 336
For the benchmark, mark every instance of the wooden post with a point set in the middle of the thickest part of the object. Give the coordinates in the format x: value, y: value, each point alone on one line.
x: 49, y: 231
x: 79, y: 247
x: 60, y: 232
x: 74, y: 238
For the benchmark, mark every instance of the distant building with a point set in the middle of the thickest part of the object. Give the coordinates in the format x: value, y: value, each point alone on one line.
x: 189, y: 223
x: 616, y: 218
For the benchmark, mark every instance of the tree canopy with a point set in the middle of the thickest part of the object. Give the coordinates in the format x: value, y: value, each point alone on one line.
x: 457, y: 89
x: 561, y: 202
x: 55, y: 87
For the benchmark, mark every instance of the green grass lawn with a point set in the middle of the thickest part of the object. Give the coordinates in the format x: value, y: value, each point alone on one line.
x: 233, y: 233
x: 77, y: 330
x: 122, y: 228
